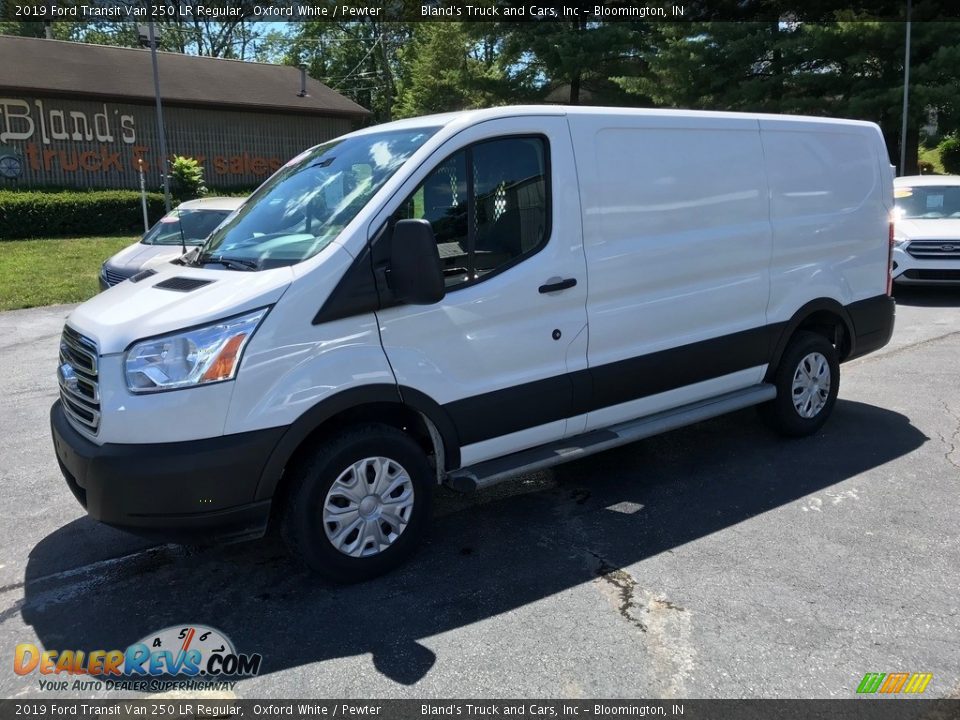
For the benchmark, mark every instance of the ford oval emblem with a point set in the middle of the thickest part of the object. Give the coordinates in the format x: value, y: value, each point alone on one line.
x: 948, y: 248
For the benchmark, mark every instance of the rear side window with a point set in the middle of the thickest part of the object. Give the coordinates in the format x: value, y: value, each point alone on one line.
x: 488, y: 205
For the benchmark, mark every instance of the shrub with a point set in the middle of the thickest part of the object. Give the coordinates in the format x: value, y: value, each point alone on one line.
x: 186, y: 178
x: 26, y: 214
x: 950, y: 155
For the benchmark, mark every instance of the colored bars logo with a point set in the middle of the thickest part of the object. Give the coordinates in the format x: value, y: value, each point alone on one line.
x: 893, y: 683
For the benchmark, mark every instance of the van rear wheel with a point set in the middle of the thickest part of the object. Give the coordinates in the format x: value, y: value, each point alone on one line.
x: 359, y: 504
x: 807, y: 382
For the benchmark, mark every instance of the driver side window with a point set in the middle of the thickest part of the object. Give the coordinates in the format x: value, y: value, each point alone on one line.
x: 488, y: 205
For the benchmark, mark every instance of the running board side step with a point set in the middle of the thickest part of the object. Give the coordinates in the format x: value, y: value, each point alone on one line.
x: 491, y: 472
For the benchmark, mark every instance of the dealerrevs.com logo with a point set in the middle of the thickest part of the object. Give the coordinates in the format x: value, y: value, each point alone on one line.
x: 177, y: 657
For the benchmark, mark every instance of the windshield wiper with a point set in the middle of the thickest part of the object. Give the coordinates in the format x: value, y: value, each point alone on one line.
x: 187, y: 258
x: 229, y: 262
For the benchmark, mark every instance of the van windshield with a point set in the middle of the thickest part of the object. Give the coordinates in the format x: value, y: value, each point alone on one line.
x: 929, y: 202
x: 307, y: 203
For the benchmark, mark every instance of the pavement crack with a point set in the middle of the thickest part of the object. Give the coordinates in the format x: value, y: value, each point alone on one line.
x: 4, y: 589
x: 11, y: 611
x: 951, y: 440
x: 667, y: 627
x: 624, y: 585
x: 661, y: 604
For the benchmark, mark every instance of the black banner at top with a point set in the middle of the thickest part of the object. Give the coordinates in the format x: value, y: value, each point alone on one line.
x: 481, y: 10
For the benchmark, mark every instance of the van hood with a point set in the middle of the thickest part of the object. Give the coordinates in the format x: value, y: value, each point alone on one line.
x: 132, y: 311
x: 921, y: 228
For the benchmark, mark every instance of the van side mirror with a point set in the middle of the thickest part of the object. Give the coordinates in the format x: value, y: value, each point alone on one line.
x: 416, y: 276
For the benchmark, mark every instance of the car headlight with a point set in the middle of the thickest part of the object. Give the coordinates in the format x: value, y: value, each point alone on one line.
x: 900, y: 241
x: 202, y: 355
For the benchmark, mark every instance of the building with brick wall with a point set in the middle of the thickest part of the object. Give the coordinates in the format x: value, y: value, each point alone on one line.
x: 78, y: 115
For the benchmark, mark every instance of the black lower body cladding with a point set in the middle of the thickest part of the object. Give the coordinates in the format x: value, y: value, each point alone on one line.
x: 872, y: 320
x: 195, y: 490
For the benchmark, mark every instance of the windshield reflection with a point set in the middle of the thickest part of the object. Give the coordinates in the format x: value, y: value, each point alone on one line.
x: 307, y: 203
x: 928, y: 202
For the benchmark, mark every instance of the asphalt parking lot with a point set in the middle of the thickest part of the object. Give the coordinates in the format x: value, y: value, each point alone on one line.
x: 714, y: 561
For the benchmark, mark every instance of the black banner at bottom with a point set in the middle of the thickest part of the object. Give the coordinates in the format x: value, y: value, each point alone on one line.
x: 178, y: 708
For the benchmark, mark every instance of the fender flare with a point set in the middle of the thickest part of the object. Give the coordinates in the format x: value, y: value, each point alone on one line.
x: 790, y: 327
x: 345, y: 400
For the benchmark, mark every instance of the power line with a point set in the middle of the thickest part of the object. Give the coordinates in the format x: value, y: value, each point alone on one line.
x: 362, y: 60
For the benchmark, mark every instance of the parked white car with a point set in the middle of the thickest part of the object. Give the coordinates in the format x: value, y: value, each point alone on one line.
x: 187, y: 225
x: 463, y: 297
x: 926, y: 233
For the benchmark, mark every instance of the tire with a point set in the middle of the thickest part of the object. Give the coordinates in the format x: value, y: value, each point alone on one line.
x: 331, y: 492
x: 808, y: 359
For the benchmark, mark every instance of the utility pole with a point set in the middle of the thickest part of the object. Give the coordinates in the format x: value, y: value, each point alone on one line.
x: 160, y: 128
x: 906, y: 95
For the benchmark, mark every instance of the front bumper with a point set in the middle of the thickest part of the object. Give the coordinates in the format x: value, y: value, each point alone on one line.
x: 188, y: 491
x: 924, y: 271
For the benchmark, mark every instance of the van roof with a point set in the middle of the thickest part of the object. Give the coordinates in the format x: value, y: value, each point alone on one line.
x: 919, y: 180
x: 507, y: 111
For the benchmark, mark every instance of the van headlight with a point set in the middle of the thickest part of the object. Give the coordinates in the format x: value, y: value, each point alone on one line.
x: 202, y: 355
x: 900, y: 241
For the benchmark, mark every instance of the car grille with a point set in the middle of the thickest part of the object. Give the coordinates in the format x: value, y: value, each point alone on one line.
x: 935, y: 249
x: 78, y: 378
x: 948, y: 275
x: 115, y: 276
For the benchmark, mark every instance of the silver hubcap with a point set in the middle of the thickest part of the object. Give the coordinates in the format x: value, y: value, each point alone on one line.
x: 368, y: 507
x: 811, y: 385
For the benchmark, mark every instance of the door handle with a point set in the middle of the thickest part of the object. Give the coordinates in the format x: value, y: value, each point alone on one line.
x: 559, y: 285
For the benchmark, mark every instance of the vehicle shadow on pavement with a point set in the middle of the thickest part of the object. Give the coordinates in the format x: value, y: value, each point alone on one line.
x: 488, y: 554
x: 928, y: 296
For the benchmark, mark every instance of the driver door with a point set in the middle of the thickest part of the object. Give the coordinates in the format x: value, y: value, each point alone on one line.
x: 498, y: 351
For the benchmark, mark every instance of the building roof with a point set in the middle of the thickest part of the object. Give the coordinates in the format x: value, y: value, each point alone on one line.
x: 56, y: 67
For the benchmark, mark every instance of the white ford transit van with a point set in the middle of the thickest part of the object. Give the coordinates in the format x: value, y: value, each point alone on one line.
x: 462, y: 297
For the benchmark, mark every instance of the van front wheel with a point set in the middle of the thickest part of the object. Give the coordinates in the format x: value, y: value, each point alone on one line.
x: 359, y: 504
x: 807, y: 382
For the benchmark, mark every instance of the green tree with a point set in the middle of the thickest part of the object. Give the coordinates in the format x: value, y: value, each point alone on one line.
x: 846, y: 68
x: 717, y: 66
x: 950, y: 155
x: 446, y: 67
x: 359, y: 59
x: 186, y: 178
x: 98, y: 33
x: 858, y: 72
x: 234, y: 39
x: 570, y: 53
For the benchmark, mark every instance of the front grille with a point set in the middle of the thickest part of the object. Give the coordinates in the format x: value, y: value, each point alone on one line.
x: 951, y: 275
x: 78, y: 378
x: 115, y: 276
x: 935, y: 249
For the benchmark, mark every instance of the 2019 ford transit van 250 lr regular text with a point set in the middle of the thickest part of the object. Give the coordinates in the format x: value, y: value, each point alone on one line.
x: 461, y: 297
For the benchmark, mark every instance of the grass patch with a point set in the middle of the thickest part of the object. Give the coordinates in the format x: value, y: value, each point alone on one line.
x: 51, y: 272
x: 932, y: 156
